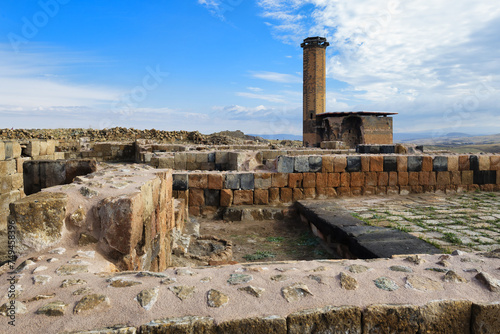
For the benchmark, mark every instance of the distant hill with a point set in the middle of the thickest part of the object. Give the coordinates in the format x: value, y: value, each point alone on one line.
x: 459, y: 142
x: 281, y: 136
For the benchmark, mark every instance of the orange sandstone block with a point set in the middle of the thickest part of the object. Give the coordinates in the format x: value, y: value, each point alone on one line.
x: 473, y: 187
x: 196, y: 197
x: 392, y: 190
x: 393, y: 178
x: 339, y: 164
x: 327, y: 164
x: 298, y: 194
x: 453, y: 163
x: 199, y: 181
x: 279, y: 180
x: 463, y: 163
x: 309, y: 193
x: 484, y: 162
x: 443, y: 178
x: 402, y: 163
x: 243, y: 197
x: 286, y: 195
x: 413, y: 179
x: 194, y: 211
x: 321, y: 180
x: 365, y: 163
x: 321, y: 192
x: 357, y: 180
x: 377, y: 163
x: 261, y: 197
x: 295, y: 180
x: 309, y: 180
x: 226, y: 197
x: 345, y: 179
x: 427, y: 164
x: 402, y: 178
x: 333, y: 180
x: 262, y: 180
x: 356, y: 191
x: 456, y: 178
x: 495, y: 162
x: 432, y: 178
x: 344, y: 191
x: 381, y: 190
x: 274, y: 195
x: 371, y: 179
x: 468, y: 177
x: 383, y: 179
x: 423, y: 178
x: 215, y: 181
x: 417, y: 189
x: 369, y: 190
x: 404, y: 190
x: 487, y: 187
x: 331, y: 192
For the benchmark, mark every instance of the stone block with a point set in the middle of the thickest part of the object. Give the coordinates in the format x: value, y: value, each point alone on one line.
x: 315, y: 163
x: 43, y: 147
x: 8, y: 167
x: 345, y: 179
x: 339, y: 164
x: 383, y: 179
x: 199, y: 181
x: 2, y: 150
x: 390, y: 164
x: 243, y: 197
x: 194, y: 211
x: 484, y: 162
x: 371, y: 179
x: 474, y: 162
x: 212, y: 197
x: 285, y: 164
x: 344, y: 191
x: 329, y: 319
x: 495, y: 162
x: 183, y: 325
x: 5, y: 184
x: 485, y: 318
x: 417, y: 189
x: 392, y: 190
x: 166, y: 162
x: 196, y: 197
x: 39, y: 220
x: 327, y: 164
x: 321, y: 180
x: 232, y: 181
x: 286, y: 195
x: 201, y: 157
x: 402, y: 163
x: 403, y: 178
x: 456, y: 178
x: 463, y: 162
x: 393, y: 178
x: 467, y: 177
x: 443, y: 178
x: 309, y: 193
x: 369, y: 190
x: 453, y: 163
x: 451, y: 316
x: 381, y: 190
x: 321, y: 193
x: 298, y: 194
x: 356, y: 191
x: 226, y: 197
x: 413, y: 179
x: 279, y: 180
x: 301, y: 164
x: 415, y: 163
x: 333, y: 180
x: 180, y: 162
x: 376, y: 163
x: 357, y: 179
x: 17, y: 181
x: 261, y: 197
x: 262, y: 180
x: 215, y: 181
x: 16, y: 150
x: 309, y: 180
x: 274, y: 195
x: 180, y: 181
x: 392, y: 319
x: 295, y: 180
x: 221, y: 157
x: 440, y: 164
x: 365, y: 163
x: 258, y: 325
x: 353, y: 164
x: 427, y: 164
x: 247, y: 181
x: 33, y: 148
x: 51, y: 147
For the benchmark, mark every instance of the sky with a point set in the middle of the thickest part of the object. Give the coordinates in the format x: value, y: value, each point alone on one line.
x: 214, y: 65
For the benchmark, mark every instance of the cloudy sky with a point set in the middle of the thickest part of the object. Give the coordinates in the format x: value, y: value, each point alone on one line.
x: 213, y: 65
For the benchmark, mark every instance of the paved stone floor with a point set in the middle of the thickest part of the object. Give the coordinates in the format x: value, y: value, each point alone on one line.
x: 467, y: 221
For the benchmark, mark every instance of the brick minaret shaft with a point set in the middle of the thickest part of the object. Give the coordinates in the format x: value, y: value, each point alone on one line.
x: 314, y: 87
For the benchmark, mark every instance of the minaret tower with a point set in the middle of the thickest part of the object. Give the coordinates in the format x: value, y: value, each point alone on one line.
x: 314, y: 87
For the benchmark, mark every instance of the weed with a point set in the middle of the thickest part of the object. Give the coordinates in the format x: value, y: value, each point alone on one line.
x: 259, y: 256
x: 275, y: 239
x: 452, y: 238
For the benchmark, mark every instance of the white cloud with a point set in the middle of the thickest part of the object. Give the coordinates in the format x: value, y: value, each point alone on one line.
x: 277, y: 77
x: 255, y: 89
x: 412, y: 57
x: 266, y: 97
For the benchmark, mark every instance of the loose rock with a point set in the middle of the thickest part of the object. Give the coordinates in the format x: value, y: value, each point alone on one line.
x: 235, y: 279
x: 357, y: 268
x: 183, y: 292
x: 93, y: 302
x: 217, y: 298
x: 386, y: 284
x: 295, y: 292
x: 147, y: 298
x: 348, y: 282
x: 489, y: 281
x: 453, y: 277
x: 53, y: 309
x: 404, y: 269
x: 256, y: 292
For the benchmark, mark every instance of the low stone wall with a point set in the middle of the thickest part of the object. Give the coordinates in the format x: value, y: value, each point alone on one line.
x: 11, y: 177
x: 321, y: 177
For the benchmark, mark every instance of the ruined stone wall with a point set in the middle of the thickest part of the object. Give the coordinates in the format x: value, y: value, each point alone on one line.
x: 321, y: 177
x: 377, y: 130
x: 11, y: 177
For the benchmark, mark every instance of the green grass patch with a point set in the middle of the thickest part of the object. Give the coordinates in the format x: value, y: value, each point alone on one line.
x: 452, y: 238
x: 259, y: 256
x: 275, y: 239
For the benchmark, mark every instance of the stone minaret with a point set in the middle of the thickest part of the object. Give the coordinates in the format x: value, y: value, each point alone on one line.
x: 314, y: 87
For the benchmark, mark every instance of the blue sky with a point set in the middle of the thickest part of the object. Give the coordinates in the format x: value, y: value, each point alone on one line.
x: 213, y: 65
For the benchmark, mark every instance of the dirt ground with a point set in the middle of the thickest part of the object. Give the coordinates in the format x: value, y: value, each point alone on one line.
x: 267, y: 240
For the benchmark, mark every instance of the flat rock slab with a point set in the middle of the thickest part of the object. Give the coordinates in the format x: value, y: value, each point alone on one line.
x: 362, y: 240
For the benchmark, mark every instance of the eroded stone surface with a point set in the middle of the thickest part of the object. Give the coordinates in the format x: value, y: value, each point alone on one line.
x: 19, y: 308
x: 279, y: 278
x: 423, y: 283
x: 254, y: 291
x: 120, y: 282
x: 295, y: 292
x: 357, y: 268
x: 348, y: 282
x: 53, y: 309
x: 235, y: 279
x: 453, y: 277
x: 147, y: 298
x: 72, y: 281
x: 94, y: 302
x: 386, y: 284
x: 182, y: 291
x: 41, y: 279
x: 216, y: 298
x: 404, y: 269
x: 489, y: 281
x: 71, y: 269
x: 329, y: 319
